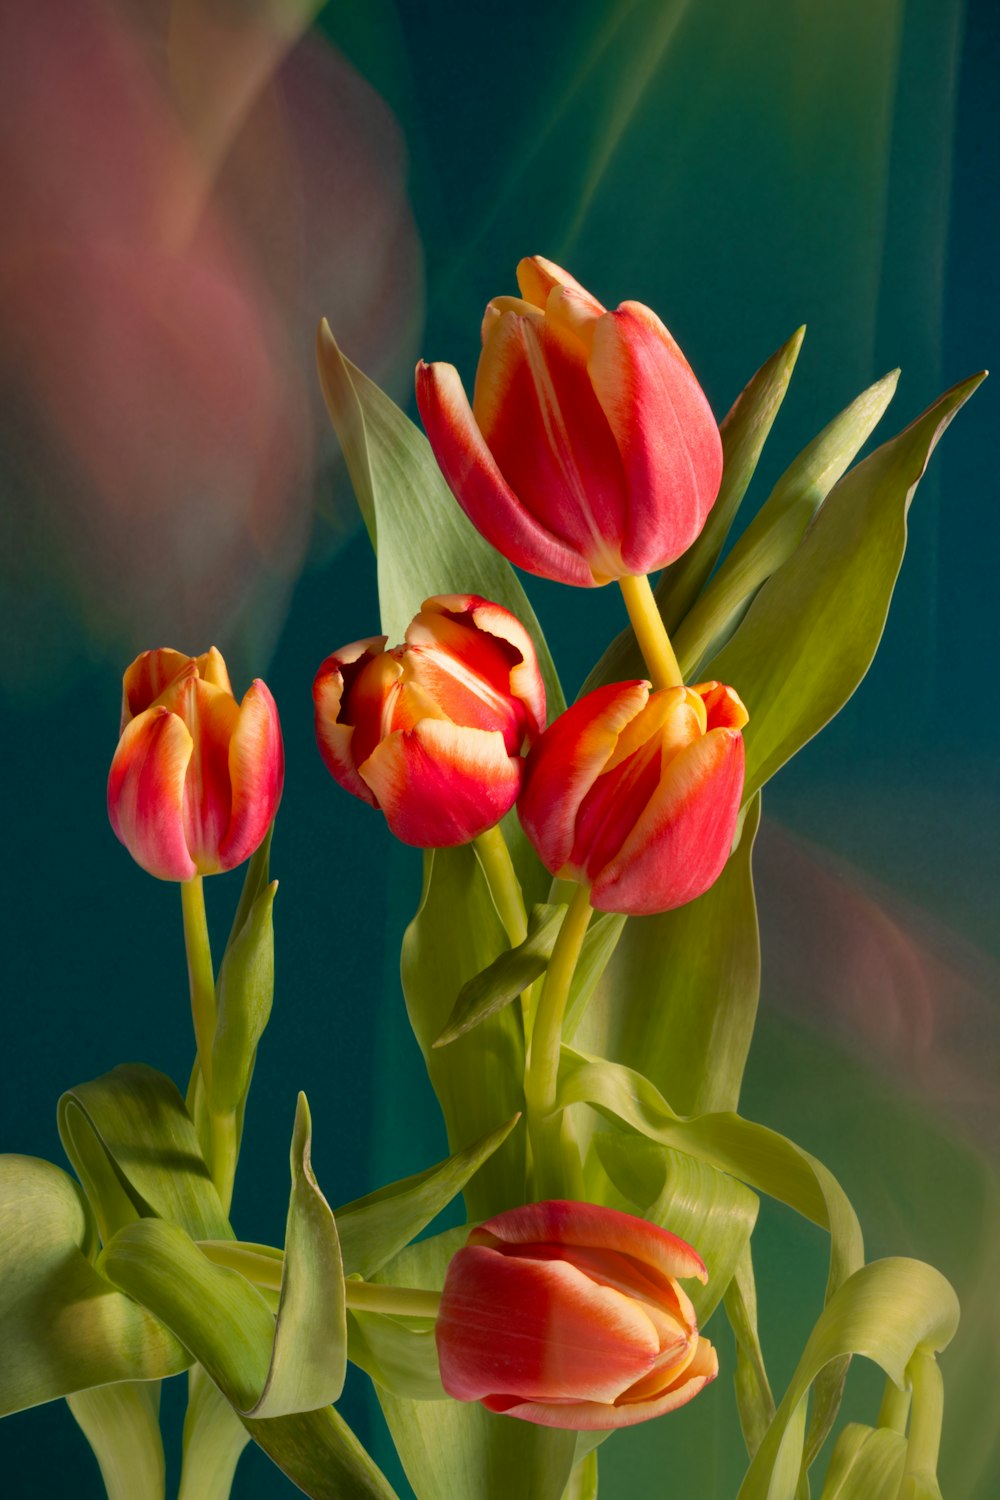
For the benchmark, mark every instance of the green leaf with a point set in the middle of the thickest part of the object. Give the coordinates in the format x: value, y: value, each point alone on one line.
x: 777, y: 528
x: 375, y: 1228
x: 866, y: 1464
x: 121, y: 1424
x: 810, y: 634
x: 507, y: 977
x: 753, y: 1389
x: 399, y: 1354
x: 134, y: 1147
x: 679, y: 998
x: 214, y: 1438
x: 889, y: 1311
x: 744, y: 433
x: 478, y: 1080
x: 245, y: 991
x: 602, y: 938
x: 424, y: 542
x: 309, y: 1357
x: 583, y: 1480
x: 227, y: 1326
x: 454, y: 1450
x: 63, y: 1328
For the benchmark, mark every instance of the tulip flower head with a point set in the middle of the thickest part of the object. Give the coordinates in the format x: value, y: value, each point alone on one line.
x: 197, y: 777
x: 571, y: 1315
x: 431, y: 732
x: 637, y: 793
x: 590, y: 451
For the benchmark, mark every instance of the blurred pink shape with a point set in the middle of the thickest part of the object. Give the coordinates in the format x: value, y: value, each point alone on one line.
x: 177, y: 223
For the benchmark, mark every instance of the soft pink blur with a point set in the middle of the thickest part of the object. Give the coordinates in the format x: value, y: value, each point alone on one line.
x: 188, y: 187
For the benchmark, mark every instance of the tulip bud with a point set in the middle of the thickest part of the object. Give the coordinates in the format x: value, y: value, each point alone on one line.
x: 637, y: 793
x: 570, y: 1315
x: 197, y: 778
x: 431, y: 732
x: 589, y: 451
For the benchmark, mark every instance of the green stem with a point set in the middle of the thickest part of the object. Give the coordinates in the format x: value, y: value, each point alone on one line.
x: 650, y: 631
x: 264, y: 1269
x: 554, y: 1156
x: 505, y: 888
x: 895, y: 1407
x: 121, y: 1424
x: 220, y: 1140
x: 924, y: 1439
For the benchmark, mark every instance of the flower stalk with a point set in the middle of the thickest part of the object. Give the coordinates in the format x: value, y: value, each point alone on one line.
x: 650, y: 631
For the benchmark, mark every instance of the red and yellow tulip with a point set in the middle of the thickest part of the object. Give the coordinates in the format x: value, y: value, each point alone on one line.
x: 571, y: 1315
x: 637, y: 793
x: 197, y: 777
x: 431, y: 732
x: 590, y: 451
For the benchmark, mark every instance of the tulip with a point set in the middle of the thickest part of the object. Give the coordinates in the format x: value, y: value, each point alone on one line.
x: 431, y: 732
x: 570, y: 1315
x: 197, y: 778
x: 590, y: 452
x: 637, y: 793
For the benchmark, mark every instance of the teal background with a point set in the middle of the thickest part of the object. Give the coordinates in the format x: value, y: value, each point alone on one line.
x: 742, y: 166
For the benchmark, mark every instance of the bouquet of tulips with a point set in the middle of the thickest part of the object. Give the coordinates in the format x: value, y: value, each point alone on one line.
x: 581, y: 973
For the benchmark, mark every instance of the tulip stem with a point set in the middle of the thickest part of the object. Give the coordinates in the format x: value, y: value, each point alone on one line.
x: 219, y: 1134
x: 505, y: 888
x: 924, y: 1439
x: 895, y: 1407
x: 264, y: 1268
x: 650, y: 631
x: 541, y: 1076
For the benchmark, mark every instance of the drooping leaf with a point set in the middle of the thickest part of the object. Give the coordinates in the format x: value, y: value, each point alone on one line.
x: 375, y: 1228
x: 424, y: 541
x: 744, y: 433
x: 63, y: 1328
x: 753, y: 1389
x: 508, y: 976
x: 122, y: 1425
x: 810, y: 634
x: 777, y: 528
x: 478, y: 1079
x: 889, y: 1311
x: 453, y: 1450
x: 134, y: 1147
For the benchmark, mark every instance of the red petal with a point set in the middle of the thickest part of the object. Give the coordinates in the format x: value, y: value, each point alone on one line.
x: 146, y: 793
x: 679, y: 846
x: 723, y: 706
x: 479, y: 486
x: 562, y: 1222
x: 256, y: 774
x: 541, y: 1329
x: 211, y: 715
x: 439, y: 784
x: 666, y: 434
x: 333, y: 737
x: 565, y: 763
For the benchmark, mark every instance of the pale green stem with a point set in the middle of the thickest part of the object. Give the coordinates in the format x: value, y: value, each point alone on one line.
x: 264, y: 1270
x: 895, y: 1407
x: 924, y: 1439
x: 650, y: 631
x: 508, y: 898
x: 222, y: 1144
x: 542, y: 1073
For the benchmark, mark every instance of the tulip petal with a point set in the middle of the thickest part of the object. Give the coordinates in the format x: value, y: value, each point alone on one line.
x: 538, y: 277
x: 211, y: 716
x: 680, y: 844
x: 333, y: 737
x: 565, y: 763
x: 540, y: 1328
x: 590, y: 1226
x: 665, y: 431
x: 724, y: 708
x: 440, y: 784
x: 538, y: 415
x: 147, y: 677
x: 480, y: 488
x: 146, y: 793
x: 256, y: 774
x: 593, y: 1416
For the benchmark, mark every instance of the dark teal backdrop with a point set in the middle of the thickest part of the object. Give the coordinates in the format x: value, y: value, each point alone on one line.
x: 743, y: 166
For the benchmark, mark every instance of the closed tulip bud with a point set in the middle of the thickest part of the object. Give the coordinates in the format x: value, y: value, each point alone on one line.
x: 590, y: 451
x: 197, y: 777
x: 431, y: 732
x: 637, y: 793
x: 571, y: 1315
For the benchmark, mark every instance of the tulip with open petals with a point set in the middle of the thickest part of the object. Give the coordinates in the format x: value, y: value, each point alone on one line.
x: 590, y: 451
x: 571, y: 1315
x: 197, y: 777
x: 637, y: 793
x: 432, y: 731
